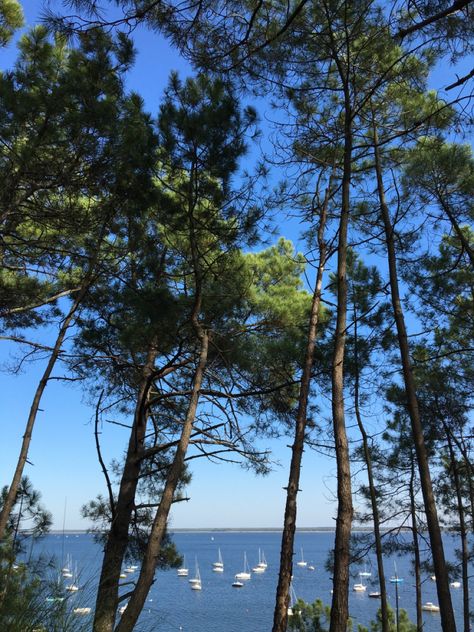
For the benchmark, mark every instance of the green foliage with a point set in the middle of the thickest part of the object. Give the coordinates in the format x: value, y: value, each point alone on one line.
x: 311, y: 617
x: 68, y: 165
x: 11, y: 19
x: 404, y: 623
x: 30, y: 601
x: 28, y: 519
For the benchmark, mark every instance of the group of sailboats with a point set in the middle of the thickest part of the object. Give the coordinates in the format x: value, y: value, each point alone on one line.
x: 218, y: 567
x: 360, y: 586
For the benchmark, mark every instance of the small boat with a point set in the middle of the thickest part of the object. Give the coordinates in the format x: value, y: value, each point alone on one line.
x: 123, y: 575
x: 375, y: 595
x: 433, y: 578
x: 122, y: 609
x: 55, y: 599
x: 183, y: 571
x: 196, y: 581
x: 310, y: 567
x: 245, y: 574
x: 455, y: 584
x: 218, y: 567
x: 359, y: 587
x: 302, y: 563
x: 129, y: 569
x: 237, y: 584
x: 81, y: 610
x: 429, y: 606
x: 365, y: 572
x: 396, y: 580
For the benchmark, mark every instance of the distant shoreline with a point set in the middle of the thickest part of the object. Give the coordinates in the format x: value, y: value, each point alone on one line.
x: 228, y: 530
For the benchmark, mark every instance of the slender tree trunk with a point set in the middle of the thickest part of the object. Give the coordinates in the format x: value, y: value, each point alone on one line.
x: 280, y: 618
x: 117, y: 539
x: 444, y: 596
x: 340, y: 597
x: 25, y: 445
x: 372, y: 490
x: 416, y: 548
x: 137, y: 600
x: 462, y: 530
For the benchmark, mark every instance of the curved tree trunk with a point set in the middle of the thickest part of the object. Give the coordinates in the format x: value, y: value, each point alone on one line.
x: 444, y: 596
x: 117, y: 540
x: 280, y: 618
x: 25, y: 445
x: 138, y: 597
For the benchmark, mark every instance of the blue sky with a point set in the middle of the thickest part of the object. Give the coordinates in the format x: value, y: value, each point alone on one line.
x: 63, y: 451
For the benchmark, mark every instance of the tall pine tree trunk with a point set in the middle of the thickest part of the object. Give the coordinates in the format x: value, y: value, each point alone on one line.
x: 444, y: 596
x: 340, y: 597
x: 462, y: 530
x: 416, y: 547
x: 372, y: 490
x: 286, y: 554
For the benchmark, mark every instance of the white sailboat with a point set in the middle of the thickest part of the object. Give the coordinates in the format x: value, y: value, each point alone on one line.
x: 360, y: 587
x: 66, y: 570
x: 245, y: 574
x: 183, y: 571
x: 73, y: 587
x: 365, y: 572
x: 218, y: 567
x: 293, y: 601
x: 196, y: 581
x: 302, y: 563
x: 262, y: 564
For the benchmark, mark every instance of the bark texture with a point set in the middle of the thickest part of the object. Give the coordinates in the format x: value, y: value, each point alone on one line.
x: 137, y: 600
x: 280, y: 619
x: 444, y: 596
x: 117, y: 540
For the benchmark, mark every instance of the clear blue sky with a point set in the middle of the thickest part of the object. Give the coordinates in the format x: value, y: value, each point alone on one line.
x: 63, y: 450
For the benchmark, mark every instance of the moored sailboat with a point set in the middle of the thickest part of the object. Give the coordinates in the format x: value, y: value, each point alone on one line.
x: 245, y: 574
x: 302, y: 563
x: 183, y: 571
x: 218, y: 567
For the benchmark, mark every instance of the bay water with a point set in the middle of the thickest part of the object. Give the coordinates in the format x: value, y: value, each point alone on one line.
x: 172, y: 605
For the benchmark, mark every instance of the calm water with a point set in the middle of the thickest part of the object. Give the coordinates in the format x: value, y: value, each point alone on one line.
x: 172, y: 605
